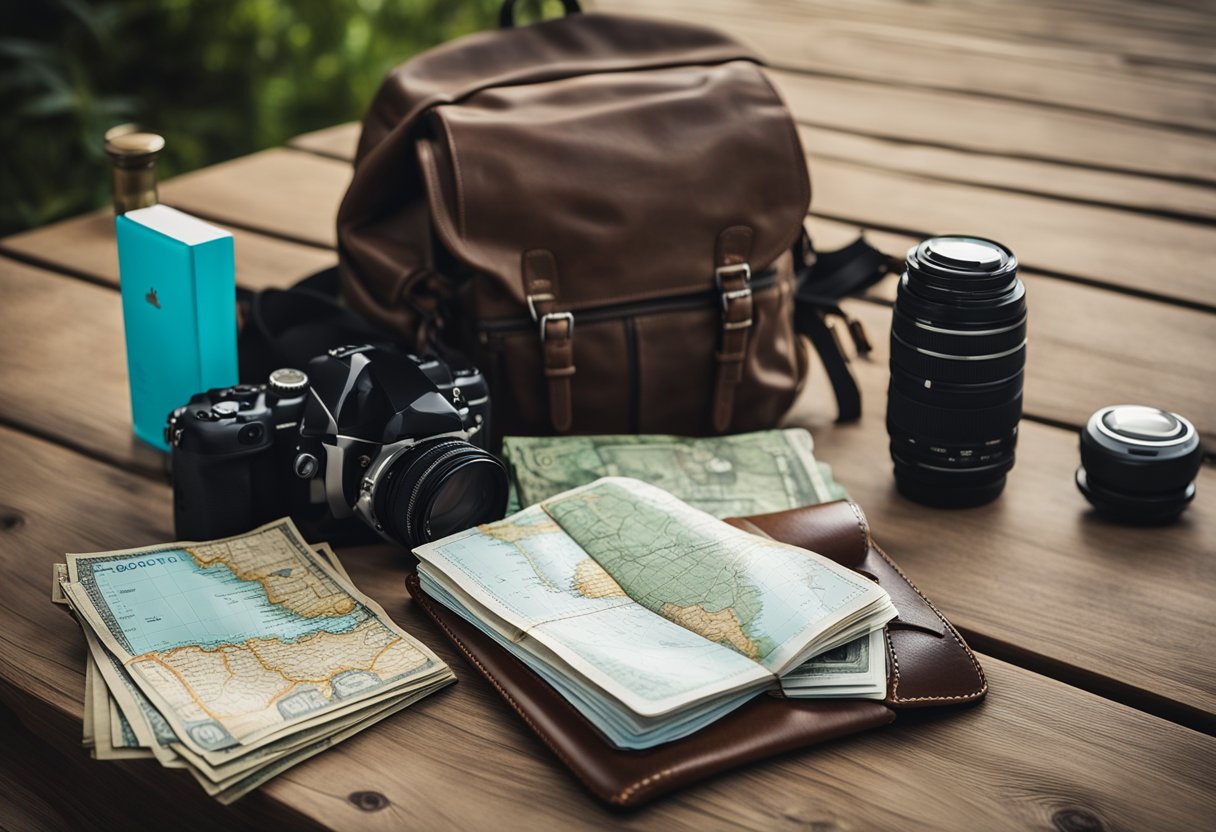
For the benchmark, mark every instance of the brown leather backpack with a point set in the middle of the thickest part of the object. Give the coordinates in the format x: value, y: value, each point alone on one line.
x: 603, y: 213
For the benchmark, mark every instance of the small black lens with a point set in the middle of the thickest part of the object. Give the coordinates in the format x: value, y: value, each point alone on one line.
x: 958, y: 349
x: 438, y: 488
x: 1138, y: 464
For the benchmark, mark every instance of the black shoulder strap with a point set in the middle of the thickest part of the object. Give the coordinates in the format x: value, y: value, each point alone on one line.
x: 823, y: 280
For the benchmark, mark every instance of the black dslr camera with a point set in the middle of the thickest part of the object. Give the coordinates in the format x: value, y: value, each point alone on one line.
x: 395, y: 440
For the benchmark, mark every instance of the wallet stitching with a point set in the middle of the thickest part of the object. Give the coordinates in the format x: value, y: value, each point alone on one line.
x: 620, y: 798
x: 895, y: 697
x: 862, y: 527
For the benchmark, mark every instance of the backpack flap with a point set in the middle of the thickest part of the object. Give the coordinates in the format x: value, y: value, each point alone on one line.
x: 629, y: 180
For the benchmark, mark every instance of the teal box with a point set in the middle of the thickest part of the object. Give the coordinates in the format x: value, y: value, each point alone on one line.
x: 179, y: 312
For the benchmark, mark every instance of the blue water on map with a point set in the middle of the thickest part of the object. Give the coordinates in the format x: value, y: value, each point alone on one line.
x: 165, y: 599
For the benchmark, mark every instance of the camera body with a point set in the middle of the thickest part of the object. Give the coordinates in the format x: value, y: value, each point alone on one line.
x: 386, y: 438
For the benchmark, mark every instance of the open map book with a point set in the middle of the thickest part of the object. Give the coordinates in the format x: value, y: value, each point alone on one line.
x: 653, y: 618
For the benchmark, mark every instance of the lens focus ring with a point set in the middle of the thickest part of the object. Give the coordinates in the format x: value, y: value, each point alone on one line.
x: 955, y: 369
x: 953, y: 424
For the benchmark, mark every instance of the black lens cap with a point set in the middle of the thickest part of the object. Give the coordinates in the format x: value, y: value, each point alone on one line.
x: 962, y: 263
x: 1139, y: 463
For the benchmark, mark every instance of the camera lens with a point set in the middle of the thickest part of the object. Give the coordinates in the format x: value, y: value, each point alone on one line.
x: 958, y: 349
x: 1138, y: 464
x: 438, y: 488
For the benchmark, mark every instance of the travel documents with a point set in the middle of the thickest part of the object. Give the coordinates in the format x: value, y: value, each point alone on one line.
x: 653, y: 618
x: 726, y: 476
x: 235, y: 659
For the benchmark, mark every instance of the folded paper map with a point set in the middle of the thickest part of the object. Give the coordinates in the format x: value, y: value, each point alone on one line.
x: 237, y: 658
x: 654, y: 618
x: 726, y: 476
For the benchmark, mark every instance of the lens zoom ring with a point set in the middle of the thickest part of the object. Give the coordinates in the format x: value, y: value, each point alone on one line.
x: 976, y: 371
x: 955, y: 425
x: 908, y: 330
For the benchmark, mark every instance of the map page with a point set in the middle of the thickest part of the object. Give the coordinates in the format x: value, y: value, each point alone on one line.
x: 726, y: 476
x: 240, y: 640
x: 528, y: 581
x: 769, y: 602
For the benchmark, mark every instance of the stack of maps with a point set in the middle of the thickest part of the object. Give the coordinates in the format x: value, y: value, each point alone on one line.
x: 654, y: 618
x: 235, y: 659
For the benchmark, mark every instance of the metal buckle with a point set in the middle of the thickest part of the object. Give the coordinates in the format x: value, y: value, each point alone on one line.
x: 734, y: 294
x: 722, y: 271
x: 532, y: 299
x: 555, y: 316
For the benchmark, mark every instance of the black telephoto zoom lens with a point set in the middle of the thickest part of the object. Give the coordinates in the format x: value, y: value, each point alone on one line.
x: 958, y: 348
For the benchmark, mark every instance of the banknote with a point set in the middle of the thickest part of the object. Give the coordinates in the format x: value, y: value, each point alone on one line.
x: 726, y: 476
x: 235, y: 658
x: 856, y: 670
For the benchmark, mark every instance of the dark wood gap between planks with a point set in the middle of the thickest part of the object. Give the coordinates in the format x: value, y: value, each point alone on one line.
x: 895, y: 138
x: 1144, y: 211
x: 997, y: 96
x: 1104, y: 686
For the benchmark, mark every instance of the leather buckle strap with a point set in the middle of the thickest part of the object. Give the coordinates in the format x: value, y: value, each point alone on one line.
x: 556, y: 332
x: 729, y: 275
x: 734, y: 289
x: 557, y: 347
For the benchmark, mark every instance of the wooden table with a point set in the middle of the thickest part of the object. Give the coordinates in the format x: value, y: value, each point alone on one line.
x: 1081, y: 135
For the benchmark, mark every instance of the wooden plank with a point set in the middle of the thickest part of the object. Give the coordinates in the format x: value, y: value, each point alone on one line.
x: 1136, y: 196
x: 85, y: 246
x: 1034, y: 753
x: 968, y: 61
x: 1093, y: 244
x: 1028, y: 594
x: 46, y: 788
x: 1174, y: 36
x: 68, y: 329
x: 283, y: 192
x: 338, y: 142
x: 997, y: 127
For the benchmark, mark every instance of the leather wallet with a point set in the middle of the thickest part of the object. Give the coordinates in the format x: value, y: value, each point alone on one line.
x: 928, y: 664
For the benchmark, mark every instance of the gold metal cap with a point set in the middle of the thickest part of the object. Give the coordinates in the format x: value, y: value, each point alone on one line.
x: 129, y: 150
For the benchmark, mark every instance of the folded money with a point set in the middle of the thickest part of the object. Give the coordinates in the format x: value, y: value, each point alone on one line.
x: 653, y: 618
x: 726, y: 476
x: 237, y: 658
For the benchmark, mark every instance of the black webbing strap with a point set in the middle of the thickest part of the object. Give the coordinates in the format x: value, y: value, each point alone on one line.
x: 821, y: 284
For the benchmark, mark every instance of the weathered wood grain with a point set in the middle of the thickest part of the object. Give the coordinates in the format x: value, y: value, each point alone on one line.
x: 289, y: 194
x: 1044, y: 546
x: 997, y: 127
x: 85, y: 246
x: 967, y: 61
x: 1184, y: 204
x: 460, y: 759
x: 63, y: 371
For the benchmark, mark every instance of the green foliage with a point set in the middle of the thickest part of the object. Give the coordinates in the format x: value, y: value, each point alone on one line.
x: 218, y: 78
